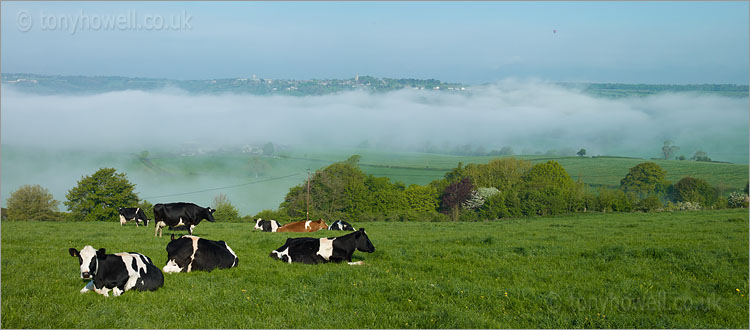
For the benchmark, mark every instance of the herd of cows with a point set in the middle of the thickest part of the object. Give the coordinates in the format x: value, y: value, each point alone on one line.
x: 124, y: 271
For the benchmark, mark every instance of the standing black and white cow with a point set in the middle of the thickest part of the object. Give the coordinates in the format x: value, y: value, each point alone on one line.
x: 341, y: 225
x: 267, y: 225
x: 180, y: 214
x: 118, y: 272
x: 189, y: 253
x: 132, y: 214
x: 321, y: 250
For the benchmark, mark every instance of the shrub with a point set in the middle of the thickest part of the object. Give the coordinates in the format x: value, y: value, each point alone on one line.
x: 494, y: 208
x: 649, y: 204
x: 478, y: 198
x: 32, y: 202
x: 614, y: 200
x: 737, y: 199
x: 225, y: 211
x: 683, y: 206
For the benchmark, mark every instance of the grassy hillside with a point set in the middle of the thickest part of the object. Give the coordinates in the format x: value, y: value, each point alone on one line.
x: 253, y: 183
x: 666, y: 270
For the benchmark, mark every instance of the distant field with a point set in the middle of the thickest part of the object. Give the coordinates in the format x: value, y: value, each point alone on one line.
x: 665, y: 270
x: 169, y: 177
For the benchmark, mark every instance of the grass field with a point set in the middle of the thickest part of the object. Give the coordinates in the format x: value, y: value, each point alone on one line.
x: 664, y: 270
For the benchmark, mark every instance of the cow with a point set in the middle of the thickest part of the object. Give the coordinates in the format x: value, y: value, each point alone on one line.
x: 180, y: 214
x: 310, y: 250
x: 132, y: 214
x: 189, y: 253
x: 341, y: 225
x: 118, y: 272
x: 267, y: 225
x: 303, y: 226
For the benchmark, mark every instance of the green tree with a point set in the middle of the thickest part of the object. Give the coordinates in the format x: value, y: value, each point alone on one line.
x: 97, y: 197
x: 693, y: 190
x: 581, y: 152
x: 701, y: 156
x: 547, y: 190
x: 645, y: 179
x: 32, y: 202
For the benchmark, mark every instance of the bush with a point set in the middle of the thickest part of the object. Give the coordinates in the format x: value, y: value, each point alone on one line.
x: 32, y: 202
x: 737, y: 199
x: 614, y: 200
x: 277, y: 215
x: 494, y: 208
x: 683, y: 206
x: 649, y: 204
x: 225, y: 211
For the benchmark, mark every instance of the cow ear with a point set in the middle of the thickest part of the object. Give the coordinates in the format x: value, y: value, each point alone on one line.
x: 73, y: 252
x: 101, y: 253
x: 362, y: 229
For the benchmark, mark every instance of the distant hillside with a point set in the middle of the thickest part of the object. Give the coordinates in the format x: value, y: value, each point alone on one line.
x: 45, y: 84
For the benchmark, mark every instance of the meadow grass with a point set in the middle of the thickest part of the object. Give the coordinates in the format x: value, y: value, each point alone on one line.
x: 661, y: 270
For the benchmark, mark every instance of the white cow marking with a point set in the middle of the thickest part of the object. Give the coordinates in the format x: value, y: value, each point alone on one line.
x: 195, y: 249
x: 326, y: 248
x: 172, y: 267
x: 122, y: 220
x: 232, y: 252
x: 281, y: 255
x: 307, y: 224
x: 274, y: 226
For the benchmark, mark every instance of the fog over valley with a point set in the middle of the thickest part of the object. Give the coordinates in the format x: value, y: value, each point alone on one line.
x: 54, y: 140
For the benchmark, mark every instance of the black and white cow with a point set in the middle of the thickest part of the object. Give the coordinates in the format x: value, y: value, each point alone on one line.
x: 173, y: 215
x: 341, y: 225
x: 321, y: 250
x: 132, y: 214
x: 189, y: 253
x: 267, y: 225
x: 118, y: 272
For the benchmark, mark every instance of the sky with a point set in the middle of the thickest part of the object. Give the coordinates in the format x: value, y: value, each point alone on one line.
x: 466, y: 42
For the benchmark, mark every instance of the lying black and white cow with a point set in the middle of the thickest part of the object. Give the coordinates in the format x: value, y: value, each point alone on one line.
x: 341, y: 225
x: 180, y: 214
x: 321, y: 250
x: 267, y: 225
x: 118, y: 272
x: 132, y: 214
x: 189, y: 253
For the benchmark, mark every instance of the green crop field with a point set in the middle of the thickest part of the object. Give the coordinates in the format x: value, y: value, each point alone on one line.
x: 657, y: 270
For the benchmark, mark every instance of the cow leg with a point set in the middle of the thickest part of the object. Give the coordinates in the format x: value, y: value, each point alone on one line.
x: 190, y: 229
x: 116, y: 291
x: 103, y: 291
x: 122, y: 220
x: 136, y: 223
x: 158, y: 228
x: 88, y: 287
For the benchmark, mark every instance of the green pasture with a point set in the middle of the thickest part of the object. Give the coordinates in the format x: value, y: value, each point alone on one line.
x: 658, y: 270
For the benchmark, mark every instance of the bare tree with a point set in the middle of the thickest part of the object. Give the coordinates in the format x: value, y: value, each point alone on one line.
x: 669, y: 149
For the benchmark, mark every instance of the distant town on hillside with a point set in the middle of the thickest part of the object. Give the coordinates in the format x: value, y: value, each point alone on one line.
x: 58, y: 84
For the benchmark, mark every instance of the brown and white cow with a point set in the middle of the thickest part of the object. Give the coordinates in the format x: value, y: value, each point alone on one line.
x: 303, y: 226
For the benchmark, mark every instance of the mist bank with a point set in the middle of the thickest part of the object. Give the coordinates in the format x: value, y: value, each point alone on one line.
x: 57, y: 139
x: 528, y: 116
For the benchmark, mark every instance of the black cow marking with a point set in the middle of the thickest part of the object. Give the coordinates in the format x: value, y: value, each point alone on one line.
x: 341, y: 225
x: 132, y: 214
x: 177, y: 215
x: 267, y: 225
x: 189, y: 253
x: 313, y: 250
x: 117, y: 272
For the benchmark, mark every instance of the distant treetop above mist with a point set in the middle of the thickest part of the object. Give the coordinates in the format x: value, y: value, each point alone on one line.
x: 56, y: 84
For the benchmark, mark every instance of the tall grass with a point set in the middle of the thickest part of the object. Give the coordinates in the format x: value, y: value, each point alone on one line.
x: 675, y: 270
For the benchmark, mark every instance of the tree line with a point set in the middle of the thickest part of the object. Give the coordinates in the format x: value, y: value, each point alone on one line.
x: 502, y: 188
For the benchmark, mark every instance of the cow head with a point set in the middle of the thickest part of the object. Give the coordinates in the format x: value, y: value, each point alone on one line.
x: 257, y: 224
x: 363, y: 242
x: 318, y: 225
x: 210, y: 214
x: 88, y: 259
